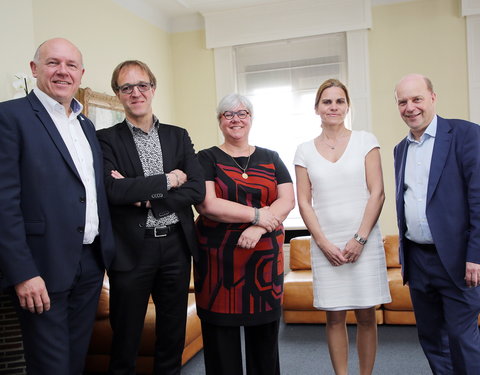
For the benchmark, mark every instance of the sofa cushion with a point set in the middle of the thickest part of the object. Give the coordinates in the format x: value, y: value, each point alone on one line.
x: 298, y: 291
x: 300, y: 253
x: 390, y: 243
x: 103, y: 309
x: 400, y: 293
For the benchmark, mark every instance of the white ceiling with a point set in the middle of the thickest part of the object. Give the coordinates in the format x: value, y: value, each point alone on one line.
x: 184, y: 15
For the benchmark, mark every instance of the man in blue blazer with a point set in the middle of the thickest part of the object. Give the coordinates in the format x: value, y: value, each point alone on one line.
x: 55, y: 233
x: 153, y: 178
x: 437, y: 171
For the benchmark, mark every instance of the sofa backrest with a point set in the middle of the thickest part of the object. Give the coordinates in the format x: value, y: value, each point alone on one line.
x: 300, y: 252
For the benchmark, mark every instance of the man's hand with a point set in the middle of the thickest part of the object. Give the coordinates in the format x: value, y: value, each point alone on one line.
x: 33, y: 295
x: 177, y: 178
x: 472, y: 274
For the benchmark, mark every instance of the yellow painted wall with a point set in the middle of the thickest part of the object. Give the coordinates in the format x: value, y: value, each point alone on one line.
x: 105, y: 33
x: 195, y: 98
x: 16, y: 43
x: 427, y: 37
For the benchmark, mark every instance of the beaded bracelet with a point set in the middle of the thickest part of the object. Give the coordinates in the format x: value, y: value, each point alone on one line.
x: 256, y: 219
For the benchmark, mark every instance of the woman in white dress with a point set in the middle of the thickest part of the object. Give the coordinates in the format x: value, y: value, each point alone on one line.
x: 340, y: 196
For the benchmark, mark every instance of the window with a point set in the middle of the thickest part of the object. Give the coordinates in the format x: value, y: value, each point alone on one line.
x: 281, y: 79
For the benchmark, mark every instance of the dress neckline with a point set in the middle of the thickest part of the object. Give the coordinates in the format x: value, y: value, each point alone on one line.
x: 341, y: 156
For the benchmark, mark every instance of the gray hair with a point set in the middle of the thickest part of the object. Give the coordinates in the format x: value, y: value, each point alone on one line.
x: 230, y: 101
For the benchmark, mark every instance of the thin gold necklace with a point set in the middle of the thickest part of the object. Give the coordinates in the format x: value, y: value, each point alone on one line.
x: 329, y: 145
x: 244, y: 174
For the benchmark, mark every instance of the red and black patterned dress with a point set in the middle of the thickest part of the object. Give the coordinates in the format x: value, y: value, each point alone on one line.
x: 236, y: 286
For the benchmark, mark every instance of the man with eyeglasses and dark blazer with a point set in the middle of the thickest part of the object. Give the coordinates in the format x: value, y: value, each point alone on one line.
x: 152, y: 179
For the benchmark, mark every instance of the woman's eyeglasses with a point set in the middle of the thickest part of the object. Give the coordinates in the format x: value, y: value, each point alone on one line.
x: 240, y: 114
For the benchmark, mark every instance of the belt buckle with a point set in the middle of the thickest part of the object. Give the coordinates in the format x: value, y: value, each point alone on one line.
x: 160, y: 231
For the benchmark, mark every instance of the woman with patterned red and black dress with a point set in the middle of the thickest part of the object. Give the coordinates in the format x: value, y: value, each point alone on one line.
x: 239, y: 276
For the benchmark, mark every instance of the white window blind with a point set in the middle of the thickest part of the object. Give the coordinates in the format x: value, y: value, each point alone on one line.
x: 281, y: 79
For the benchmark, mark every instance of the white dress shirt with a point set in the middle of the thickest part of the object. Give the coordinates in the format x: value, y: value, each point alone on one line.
x: 417, y: 171
x: 77, y: 144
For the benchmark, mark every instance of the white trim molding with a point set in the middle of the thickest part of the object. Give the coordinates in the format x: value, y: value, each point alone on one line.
x: 359, y: 79
x: 471, y: 10
x: 286, y: 20
x: 470, y: 7
x: 473, y: 58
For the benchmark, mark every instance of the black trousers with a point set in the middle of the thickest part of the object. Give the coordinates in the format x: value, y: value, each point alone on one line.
x: 56, y: 341
x: 223, y: 352
x: 162, y: 271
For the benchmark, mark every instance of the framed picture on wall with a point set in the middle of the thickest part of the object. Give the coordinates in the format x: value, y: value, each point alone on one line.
x: 104, y: 110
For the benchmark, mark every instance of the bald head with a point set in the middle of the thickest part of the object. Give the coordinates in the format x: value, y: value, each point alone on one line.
x: 44, y: 45
x: 415, y: 77
x: 416, y: 102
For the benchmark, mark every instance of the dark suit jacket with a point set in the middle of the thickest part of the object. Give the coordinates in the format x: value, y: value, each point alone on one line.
x: 42, y: 198
x: 453, y: 196
x: 120, y: 153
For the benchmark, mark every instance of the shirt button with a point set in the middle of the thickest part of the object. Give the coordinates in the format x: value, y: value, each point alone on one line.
x: 80, y: 229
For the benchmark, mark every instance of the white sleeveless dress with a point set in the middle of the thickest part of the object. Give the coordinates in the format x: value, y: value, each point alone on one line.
x: 340, y: 194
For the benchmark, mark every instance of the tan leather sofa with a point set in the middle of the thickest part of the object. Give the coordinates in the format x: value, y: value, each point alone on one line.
x: 99, y: 350
x: 298, y: 295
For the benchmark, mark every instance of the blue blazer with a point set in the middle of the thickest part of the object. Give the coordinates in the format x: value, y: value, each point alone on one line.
x: 42, y: 198
x: 453, y: 196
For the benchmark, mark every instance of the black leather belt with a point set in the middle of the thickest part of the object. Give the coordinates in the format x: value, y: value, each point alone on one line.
x: 161, y: 231
x: 424, y: 246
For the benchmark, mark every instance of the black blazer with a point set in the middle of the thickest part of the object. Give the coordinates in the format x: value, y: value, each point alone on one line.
x: 120, y: 153
x: 42, y: 198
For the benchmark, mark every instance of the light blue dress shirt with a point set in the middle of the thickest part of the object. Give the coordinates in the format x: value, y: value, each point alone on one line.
x: 417, y: 171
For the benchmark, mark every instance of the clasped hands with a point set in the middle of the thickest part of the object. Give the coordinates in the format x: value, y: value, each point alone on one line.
x: 267, y: 222
x: 338, y: 257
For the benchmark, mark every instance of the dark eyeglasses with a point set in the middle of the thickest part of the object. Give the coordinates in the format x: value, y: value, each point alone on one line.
x: 127, y: 89
x: 240, y: 114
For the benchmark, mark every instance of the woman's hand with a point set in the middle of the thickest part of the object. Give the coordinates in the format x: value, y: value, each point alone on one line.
x: 267, y: 219
x: 250, y: 237
x: 353, y: 250
x: 333, y: 254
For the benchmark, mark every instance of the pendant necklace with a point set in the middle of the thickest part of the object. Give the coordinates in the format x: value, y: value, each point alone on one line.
x: 244, y: 174
x: 328, y: 144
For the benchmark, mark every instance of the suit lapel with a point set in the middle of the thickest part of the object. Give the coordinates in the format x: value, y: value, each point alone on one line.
x: 89, y: 131
x: 402, y: 154
x: 443, y: 140
x: 166, y: 148
x: 52, y: 130
x: 129, y: 144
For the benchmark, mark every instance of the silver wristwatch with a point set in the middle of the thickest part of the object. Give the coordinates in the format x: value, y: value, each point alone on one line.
x: 359, y: 239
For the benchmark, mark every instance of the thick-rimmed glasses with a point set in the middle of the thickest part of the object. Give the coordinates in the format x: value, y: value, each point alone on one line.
x: 240, y: 114
x: 127, y: 89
